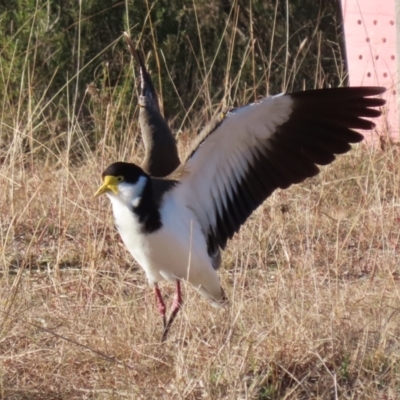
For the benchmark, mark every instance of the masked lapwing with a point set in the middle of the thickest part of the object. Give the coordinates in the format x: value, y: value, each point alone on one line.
x: 161, y: 153
x: 173, y: 227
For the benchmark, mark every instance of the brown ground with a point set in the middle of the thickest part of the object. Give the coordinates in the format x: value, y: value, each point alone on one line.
x: 312, y: 278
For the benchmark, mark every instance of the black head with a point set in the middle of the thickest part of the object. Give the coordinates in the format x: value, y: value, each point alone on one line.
x: 123, y: 171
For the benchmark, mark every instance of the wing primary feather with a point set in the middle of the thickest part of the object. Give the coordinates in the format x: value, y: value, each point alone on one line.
x: 301, y: 164
x: 340, y: 94
x: 243, y: 198
x: 225, y: 217
x: 312, y: 137
x: 263, y: 175
x: 248, y: 179
x: 284, y: 174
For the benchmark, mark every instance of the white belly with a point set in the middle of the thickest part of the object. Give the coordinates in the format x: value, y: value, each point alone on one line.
x: 176, y: 251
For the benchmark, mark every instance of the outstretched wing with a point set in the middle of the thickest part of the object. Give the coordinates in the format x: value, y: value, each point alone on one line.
x: 268, y: 145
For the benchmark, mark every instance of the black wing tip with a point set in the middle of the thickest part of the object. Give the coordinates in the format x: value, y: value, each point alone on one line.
x: 358, y: 137
x: 351, y: 91
x: 369, y: 91
x: 372, y: 125
x: 366, y: 90
x: 373, y: 90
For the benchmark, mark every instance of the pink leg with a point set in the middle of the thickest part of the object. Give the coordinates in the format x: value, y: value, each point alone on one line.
x: 176, y: 306
x: 160, y: 304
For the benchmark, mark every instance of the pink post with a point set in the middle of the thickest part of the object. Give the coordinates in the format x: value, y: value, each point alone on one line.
x: 370, y: 35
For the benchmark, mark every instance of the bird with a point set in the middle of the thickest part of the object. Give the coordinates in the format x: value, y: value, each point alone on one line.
x: 174, y: 226
x: 161, y: 153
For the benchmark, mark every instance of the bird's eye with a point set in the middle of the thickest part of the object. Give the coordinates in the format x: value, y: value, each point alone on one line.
x: 120, y: 178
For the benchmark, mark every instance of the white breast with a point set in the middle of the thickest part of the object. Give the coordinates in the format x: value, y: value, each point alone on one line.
x: 129, y: 228
x: 176, y: 251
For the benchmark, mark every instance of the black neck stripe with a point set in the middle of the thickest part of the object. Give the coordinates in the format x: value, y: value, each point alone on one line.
x: 147, y: 211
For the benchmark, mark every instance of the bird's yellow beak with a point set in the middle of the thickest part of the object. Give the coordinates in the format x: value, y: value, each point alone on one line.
x: 110, y: 183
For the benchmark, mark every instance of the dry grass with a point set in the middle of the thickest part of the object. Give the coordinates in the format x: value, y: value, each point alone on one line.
x: 312, y: 279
